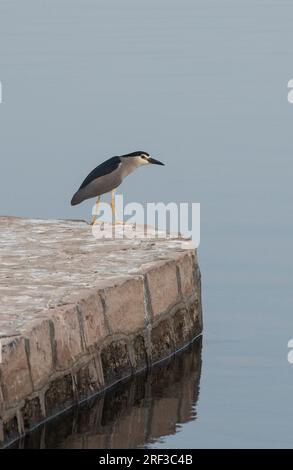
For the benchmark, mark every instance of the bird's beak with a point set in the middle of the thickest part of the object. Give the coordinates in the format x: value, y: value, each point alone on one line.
x: 155, y: 162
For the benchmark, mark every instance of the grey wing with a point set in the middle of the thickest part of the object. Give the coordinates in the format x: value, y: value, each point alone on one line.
x: 101, y: 170
x: 92, y: 187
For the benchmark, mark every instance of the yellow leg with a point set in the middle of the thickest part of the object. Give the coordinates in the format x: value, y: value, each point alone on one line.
x: 97, y: 210
x: 113, y: 206
x: 116, y: 222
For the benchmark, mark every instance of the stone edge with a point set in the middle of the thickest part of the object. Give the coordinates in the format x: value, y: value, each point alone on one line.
x: 96, y: 339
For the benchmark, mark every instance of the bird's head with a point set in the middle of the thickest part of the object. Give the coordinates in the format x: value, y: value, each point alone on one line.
x: 142, y: 158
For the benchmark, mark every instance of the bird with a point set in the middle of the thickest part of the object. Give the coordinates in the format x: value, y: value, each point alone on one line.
x: 107, y: 176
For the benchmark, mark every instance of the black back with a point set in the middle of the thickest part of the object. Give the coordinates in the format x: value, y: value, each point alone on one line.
x: 101, y: 170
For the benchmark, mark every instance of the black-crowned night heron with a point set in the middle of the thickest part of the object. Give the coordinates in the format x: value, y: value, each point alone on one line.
x: 108, y: 176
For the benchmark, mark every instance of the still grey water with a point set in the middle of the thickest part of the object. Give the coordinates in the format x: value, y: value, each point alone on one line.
x: 202, y: 86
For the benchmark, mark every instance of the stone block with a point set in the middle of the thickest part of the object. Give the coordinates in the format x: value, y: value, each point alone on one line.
x: 125, y: 305
x: 186, y: 265
x: 90, y: 309
x: 115, y: 361
x: 163, y: 286
x: 67, y: 335
x: 140, y: 352
x: 15, y: 376
x: 87, y: 380
x: 162, y: 342
x: 59, y: 394
x: 40, y: 353
x: 31, y: 413
x: 181, y: 328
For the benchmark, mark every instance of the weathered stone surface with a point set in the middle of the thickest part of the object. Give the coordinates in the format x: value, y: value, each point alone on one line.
x: 116, y: 361
x: 124, y: 305
x: 87, y: 380
x: 14, y: 370
x: 186, y: 265
x: 40, y: 353
x: 94, y: 327
x: 31, y: 413
x: 195, y: 316
x: 163, y: 285
x: 140, y: 352
x: 78, y: 313
x: 59, y: 395
x: 162, y: 342
x: 141, y: 409
x: 181, y: 328
x: 45, y: 261
x: 67, y: 335
x: 1, y: 397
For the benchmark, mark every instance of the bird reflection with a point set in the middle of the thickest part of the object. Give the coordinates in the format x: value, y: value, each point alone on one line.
x: 133, y: 414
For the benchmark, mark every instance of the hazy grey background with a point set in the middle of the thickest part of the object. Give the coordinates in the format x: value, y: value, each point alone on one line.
x: 200, y: 84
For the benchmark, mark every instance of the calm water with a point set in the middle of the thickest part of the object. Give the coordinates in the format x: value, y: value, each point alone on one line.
x: 202, y: 85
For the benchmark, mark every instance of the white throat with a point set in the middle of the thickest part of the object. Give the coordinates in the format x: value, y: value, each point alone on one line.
x: 129, y: 164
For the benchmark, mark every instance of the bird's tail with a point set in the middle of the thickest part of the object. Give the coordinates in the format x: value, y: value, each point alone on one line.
x: 77, y: 198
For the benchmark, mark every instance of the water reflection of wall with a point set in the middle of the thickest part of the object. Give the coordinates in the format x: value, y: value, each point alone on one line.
x: 134, y: 413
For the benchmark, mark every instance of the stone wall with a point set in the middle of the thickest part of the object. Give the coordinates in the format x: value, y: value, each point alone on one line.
x: 139, y: 410
x: 92, y: 336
